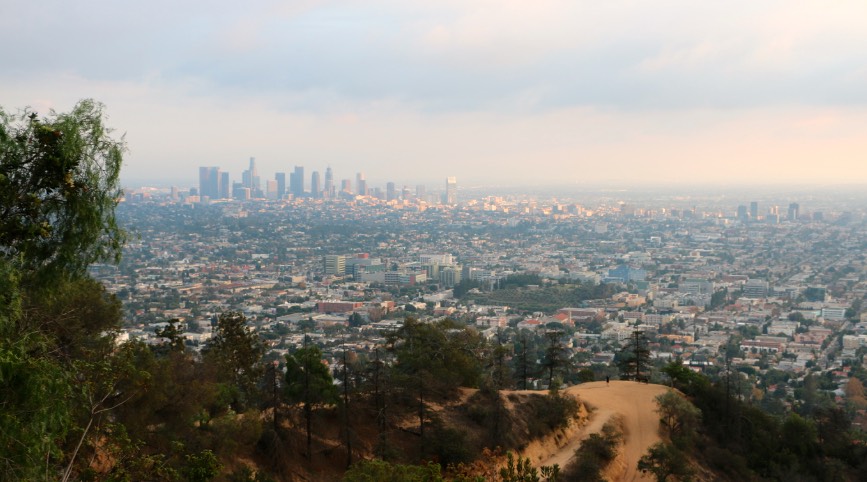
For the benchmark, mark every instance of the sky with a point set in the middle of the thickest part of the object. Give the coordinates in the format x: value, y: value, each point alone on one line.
x: 490, y: 91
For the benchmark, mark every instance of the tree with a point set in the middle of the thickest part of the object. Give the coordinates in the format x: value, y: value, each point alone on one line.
x: 635, y: 358
x: 236, y: 353
x: 555, y: 354
x: 432, y: 360
x: 309, y: 382
x: 680, y: 417
x: 59, y: 185
x: 664, y: 461
x: 58, y: 190
x: 381, y: 471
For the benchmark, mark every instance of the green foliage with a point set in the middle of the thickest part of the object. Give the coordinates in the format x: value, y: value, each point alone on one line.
x: 34, y: 388
x: 59, y: 185
x: 634, y: 359
x: 595, y: 453
x: 664, y: 461
x: 550, y: 412
x: 236, y: 353
x: 685, y: 379
x: 449, y: 445
x: 381, y: 471
x: 522, y: 471
x: 445, y: 354
x: 680, y: 417
x: 308, y: 380
x: 201, y: 467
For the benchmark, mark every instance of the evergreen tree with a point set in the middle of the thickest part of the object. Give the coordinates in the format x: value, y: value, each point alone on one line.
x: 309, y: 382
x: 634, y: 358
x: 236, y: 353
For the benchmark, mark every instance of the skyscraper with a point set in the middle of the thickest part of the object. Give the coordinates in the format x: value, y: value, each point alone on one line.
x: 754, y: 210
x: 225, y: 186
x: 250, y: 178
x: 209, y: 182
x: 794, y: 211
x: 390, y: 192
x: 296, y: 182
x: 329, y: 183
x: 315, y: 186
x: 742, y: 213
x: 280, y: 177
x: 360, y: 184
x: 451, y: 196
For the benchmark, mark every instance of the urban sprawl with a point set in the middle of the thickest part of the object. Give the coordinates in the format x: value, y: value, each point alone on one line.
x: 771, y: 287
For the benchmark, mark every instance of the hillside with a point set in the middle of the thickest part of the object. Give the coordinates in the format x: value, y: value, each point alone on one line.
x: 630, y: 402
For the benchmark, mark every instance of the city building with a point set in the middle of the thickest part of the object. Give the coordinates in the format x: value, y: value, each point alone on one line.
x: 335, y: 264
x: 296, y: 182
x: 451, y: 195
x: 209, y: 182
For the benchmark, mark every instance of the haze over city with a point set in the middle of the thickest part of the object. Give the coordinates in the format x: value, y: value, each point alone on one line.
x: 572, y: 92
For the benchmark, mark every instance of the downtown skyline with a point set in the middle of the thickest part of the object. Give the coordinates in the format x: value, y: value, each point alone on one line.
x: 491, y: 92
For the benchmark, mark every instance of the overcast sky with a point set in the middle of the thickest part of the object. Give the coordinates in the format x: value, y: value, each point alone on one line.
x: 499, y: 91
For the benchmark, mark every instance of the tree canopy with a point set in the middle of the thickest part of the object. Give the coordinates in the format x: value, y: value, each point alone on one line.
x: 59, y: 185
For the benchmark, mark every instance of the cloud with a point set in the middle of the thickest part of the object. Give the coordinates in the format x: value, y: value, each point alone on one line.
x: 482, y: 89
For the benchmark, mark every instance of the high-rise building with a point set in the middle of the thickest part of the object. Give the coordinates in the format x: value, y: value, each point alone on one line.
x: 328, y: 188
x: 209, y: 182
x: 335, y: 264
x: 360, y: 184
x: 296, y: 182
x: 754, y: 210
x: 390, y: 192
x: 225, y: 186
x: 421, y: 192
x: 315, y: 185
x: 280, y: 177
x: 346, y: 186
x: 742, y: 213
x: 794, y: 211
x: 451, y: 196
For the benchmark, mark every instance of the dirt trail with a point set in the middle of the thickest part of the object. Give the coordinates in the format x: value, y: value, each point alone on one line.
x: 634, y: 402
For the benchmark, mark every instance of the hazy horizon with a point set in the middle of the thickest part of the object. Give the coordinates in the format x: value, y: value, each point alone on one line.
x: 495, y: 93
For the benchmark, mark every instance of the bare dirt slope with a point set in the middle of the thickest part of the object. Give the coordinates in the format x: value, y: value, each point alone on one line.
x: 634, y: 404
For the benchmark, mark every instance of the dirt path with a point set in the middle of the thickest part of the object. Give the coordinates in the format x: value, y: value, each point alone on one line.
x: 634, y: 402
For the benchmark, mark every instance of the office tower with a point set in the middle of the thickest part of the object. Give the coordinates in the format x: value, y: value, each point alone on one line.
x: 204, y: 173
x: 360, y: 184
x: 280, y: 177
x: 296, y: 182
x: 250, y: 177
x: 225, y: 186
x: 335, y: 264
x: 755, y: 288
x: 390, y: 192
x: 238, y: 190
x: 346, y: 186
x: 174, y: 193
x: 451, y: 196
x: 794, y: 211
x: 315, y: 186
x: 742, y: 213
x: 421, y: 192
x: 209, y: 182
x: 754, y: 210
x: 329, y: 183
